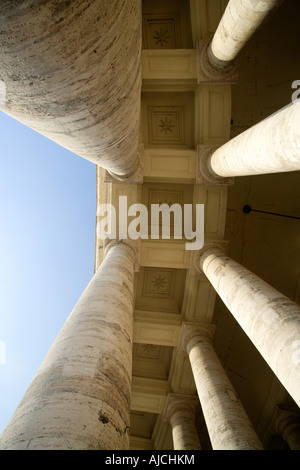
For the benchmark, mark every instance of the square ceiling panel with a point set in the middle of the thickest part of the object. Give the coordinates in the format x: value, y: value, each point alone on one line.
x: 160, y: 289
x: 151, y: 361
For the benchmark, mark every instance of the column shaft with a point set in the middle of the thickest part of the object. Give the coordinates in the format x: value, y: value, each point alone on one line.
x: 184, y: 432
x: 288, y: 427
x: 71, y: 71
x: 240, y: 20
x: 80, y: 397
x: 271, y: 146
x: 181, y: 415
x: 271, y: 320
x: 228, y: 425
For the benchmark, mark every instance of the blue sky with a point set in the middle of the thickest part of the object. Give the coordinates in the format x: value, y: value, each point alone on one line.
x: 47, y: 242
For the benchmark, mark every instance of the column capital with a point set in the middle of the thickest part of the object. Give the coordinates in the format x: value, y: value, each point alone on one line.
x: 134, y: 245
x: 287, y: 425
x: 204, y: 172
x: 192, y: 333
x: 195, y: 266
x: 177, y: 402
x: 286, y: 417
x: 135, y: 177
x: 207, y: 72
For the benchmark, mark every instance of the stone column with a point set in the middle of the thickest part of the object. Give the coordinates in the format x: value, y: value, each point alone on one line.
x: 288, y: 427
x: 271, y: 320
x: 271, y: 146
x: 180, y: 411
x: 80, y: 397
x: 227, y: 423
x: 239, y: 22
x: 71, y: 71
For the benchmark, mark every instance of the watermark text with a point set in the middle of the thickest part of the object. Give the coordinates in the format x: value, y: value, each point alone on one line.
x: 163, y: 221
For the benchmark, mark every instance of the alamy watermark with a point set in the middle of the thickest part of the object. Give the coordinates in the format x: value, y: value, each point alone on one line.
x: 136, y: 222
x: 296, y: 94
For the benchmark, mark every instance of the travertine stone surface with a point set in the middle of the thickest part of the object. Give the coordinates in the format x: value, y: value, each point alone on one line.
x: 80, y: 397
x: 271, y: 146
x: 180, y: 411
x: 271, y: 320
x: 228, y: 425
x: 239, y: 21
x: 135, y: 177
x: 71, y: 71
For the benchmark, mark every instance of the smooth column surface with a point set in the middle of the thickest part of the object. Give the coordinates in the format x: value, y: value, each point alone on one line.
x: 181, y: 413
x: 271, y: 146
x: 271, y: 320
x: 240, y: 20
x: 71, y: 71
x: 80, y: 397
x: 227, y: 423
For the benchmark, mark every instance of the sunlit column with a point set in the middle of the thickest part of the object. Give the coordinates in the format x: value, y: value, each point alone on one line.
x: 71, y: 71
x: 80, y: 397
x: 271, y: 146
x: 271, y: 320
x: 239, y: 22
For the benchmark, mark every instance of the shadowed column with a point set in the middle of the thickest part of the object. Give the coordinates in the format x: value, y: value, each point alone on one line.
x: 180, y: 410
x: 227, y: 423
x: 288, y: 427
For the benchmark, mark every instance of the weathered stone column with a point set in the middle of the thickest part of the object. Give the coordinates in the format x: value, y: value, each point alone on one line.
x: 288, y: 427
x: 271, y: 320
x: 227, y: 423
x: 80, y: 397
x: 239, y: 22
x: 180, y: 411
x: 271, y: 146
x: 71, y: 71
